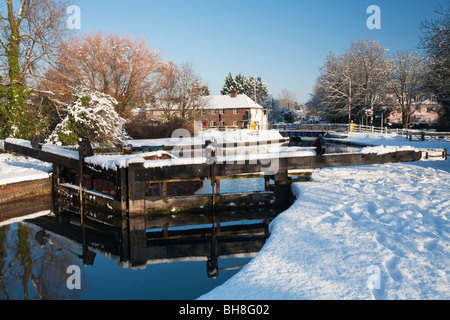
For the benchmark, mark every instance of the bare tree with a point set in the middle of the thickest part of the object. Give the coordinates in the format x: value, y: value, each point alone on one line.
x: 185, y: 94
x: 288, y: 98
x: 359, y: 76
x: 30, y: 31
x: 435, y: 41
x: 407, y: 81
x: 122, y: 67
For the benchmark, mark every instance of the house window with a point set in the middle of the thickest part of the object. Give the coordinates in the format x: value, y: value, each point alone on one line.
x: 222, y: 111
x: 203, y: 113
x: 212, y: 124
x: 214, y: 111
x: 236, y: 123
x: 236, y: 111
x: 222, y: 124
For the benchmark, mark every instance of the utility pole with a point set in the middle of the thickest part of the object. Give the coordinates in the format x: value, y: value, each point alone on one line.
x: 350, y: 104
x: 255, y: 101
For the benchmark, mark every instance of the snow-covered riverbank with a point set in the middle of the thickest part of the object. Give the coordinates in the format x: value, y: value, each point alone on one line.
x: 368, y: 232
x: 15, y: 169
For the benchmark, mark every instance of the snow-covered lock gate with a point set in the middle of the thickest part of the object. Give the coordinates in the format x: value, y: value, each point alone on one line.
x: 127, y: 183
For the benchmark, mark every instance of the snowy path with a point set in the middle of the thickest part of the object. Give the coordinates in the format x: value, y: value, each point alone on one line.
x: 369, y: 232
x: 390, y: 218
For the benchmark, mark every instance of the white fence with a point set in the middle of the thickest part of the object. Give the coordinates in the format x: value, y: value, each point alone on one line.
x: 411, y: 134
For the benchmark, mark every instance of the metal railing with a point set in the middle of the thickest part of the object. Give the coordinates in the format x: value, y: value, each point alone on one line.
x: 411, y: 134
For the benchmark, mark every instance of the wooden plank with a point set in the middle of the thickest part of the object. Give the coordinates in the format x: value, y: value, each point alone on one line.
x: 136, y: 192
x: 42, y: 155
x: 350, y: 159
x: 202, y: 171
x: 62, y: 161
x: 123, y: 191
x: 195, y: 202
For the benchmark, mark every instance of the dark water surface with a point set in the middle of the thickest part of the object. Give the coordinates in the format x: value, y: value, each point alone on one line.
x: 164, y: 258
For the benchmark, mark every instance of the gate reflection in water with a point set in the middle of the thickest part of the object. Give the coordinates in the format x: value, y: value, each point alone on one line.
x: 126, y: 259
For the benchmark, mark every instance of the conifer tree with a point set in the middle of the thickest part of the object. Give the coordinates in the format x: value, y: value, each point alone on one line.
x: 246, y: 85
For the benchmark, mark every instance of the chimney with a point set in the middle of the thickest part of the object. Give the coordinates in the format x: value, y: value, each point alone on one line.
x: 233, y: 93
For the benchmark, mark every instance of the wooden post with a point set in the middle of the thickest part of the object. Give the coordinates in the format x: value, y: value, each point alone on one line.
x: 282, y: 188
x: 266, y: 183
x: 55, y: 181
x: 136, y: 192
x: 81, y: 160
x: 122, y: 190
x: 217, y: 186
x: 162, y: 189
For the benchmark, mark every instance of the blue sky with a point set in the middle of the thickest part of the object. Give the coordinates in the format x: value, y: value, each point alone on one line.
x: 285, y: 41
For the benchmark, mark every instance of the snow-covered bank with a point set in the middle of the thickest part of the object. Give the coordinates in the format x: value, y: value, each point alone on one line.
x: 348, y: 222
x: 379, y: 139
x: 393, y: 140
x: 366, y: 232
x: 15, y: 169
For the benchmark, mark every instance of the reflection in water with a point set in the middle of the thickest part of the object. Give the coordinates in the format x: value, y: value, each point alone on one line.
x: 137, y: 258
x: 32, y: 268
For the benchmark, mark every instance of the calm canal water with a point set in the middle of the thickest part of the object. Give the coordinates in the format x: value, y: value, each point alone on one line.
x: 132, y: 260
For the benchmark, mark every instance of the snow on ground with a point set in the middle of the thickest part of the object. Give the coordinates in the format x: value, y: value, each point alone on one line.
x: 363, y: 232
x: 379, y: 139
x: 17, y: 169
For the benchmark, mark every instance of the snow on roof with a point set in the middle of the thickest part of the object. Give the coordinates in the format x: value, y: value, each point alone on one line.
x: 242, y: 101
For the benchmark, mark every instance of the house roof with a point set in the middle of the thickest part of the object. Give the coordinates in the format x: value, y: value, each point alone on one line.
x: 242, y: 101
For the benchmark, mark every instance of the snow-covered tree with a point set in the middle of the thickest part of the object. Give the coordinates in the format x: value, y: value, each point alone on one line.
x: 247, y: 85
x: 436, y: 42
x: 407, y: 82
x: 282, y: 113
x: 183, y: 95
x: 288, y: 98
x: 93, y: 116
x: 360, y: 75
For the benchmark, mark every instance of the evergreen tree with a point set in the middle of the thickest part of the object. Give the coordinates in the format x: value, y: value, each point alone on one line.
x: 246, y: 85
x: 229, y: 85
